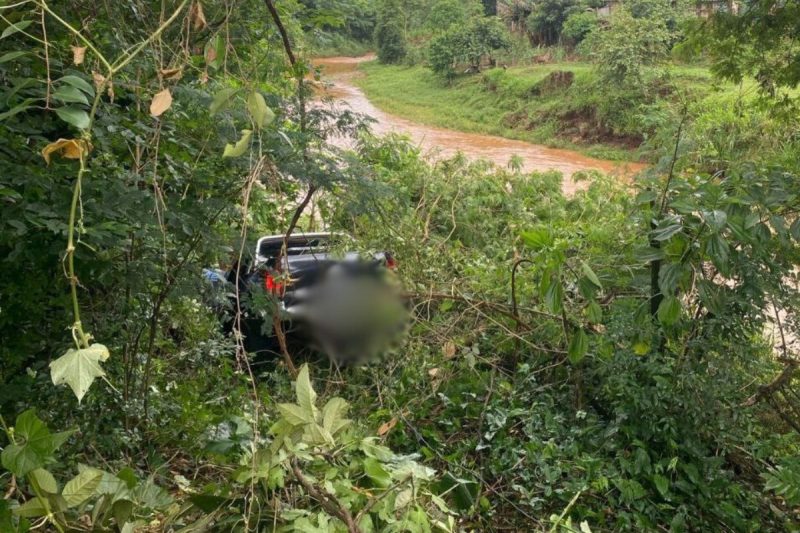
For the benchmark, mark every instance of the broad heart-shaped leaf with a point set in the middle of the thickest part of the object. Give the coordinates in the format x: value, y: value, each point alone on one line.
x: 333, y: 415
x: 306, y: 397
x: 257, y: 107
x: 79, y: 368
x: 578, y: 346
x: 34, y: 445
x: 45, y: 480
x: 81, y: 487
x: 669, y: 310
x: 235, y: 150
x: 74, y: 115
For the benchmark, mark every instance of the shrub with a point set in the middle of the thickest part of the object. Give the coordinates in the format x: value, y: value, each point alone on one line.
x: 389, y: 34
x: 468, y: 45
x: 577, y: 26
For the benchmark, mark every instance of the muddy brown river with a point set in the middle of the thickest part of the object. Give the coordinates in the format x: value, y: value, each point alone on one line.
x: 435, y: 142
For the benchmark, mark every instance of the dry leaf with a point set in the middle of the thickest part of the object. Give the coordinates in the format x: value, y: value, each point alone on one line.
x: 211, y: 55
x: 78, y: 54
x: 98, y: 79
x: 171, y: 73
x: 66, y: 148
x: 449, y: 350
x: 386, y: 427
x: 198, y: 17
x: 204, y: 77
x: 436, y: 379
x: 160, y: 103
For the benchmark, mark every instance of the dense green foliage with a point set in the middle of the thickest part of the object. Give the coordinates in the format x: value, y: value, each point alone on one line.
x: 621, y: 359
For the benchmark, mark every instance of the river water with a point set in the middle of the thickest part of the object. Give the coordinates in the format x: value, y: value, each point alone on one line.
x: 338, y: 72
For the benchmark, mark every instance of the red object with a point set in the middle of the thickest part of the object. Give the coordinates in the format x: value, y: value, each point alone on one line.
x: 271, y: 285
x: 391, y: 264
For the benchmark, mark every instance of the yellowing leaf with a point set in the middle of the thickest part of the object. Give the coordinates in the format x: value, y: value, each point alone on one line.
x: 235, y: 150
x: 79, y: 368
x: 257, y: 107
x: 66, y: 148
x: 160, y: 103
x: 78, y: 54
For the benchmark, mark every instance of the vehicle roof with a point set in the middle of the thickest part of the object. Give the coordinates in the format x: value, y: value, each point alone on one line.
x: 273, y: 241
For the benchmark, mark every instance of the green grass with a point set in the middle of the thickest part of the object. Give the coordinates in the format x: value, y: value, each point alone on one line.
x: 482, y: 103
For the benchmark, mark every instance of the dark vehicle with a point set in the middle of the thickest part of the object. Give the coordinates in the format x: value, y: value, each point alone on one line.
x: 332, y: 299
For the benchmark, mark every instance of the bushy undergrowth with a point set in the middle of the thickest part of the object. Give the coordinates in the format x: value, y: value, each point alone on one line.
x: 644, y: 439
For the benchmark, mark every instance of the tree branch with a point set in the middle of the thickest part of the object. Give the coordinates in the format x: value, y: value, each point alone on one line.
x: 328, y: 501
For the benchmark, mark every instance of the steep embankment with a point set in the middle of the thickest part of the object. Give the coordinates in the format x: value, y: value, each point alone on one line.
x: 560, y: 104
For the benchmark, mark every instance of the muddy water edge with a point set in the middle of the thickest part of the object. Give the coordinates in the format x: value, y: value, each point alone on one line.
x: 338, y: 73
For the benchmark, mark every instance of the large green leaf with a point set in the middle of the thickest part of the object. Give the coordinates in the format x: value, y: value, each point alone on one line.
x: 11, y: 56
x: 578, y: 346
x: 33, y: 448
x: 551, y: 291
x: 306, y: 397
x: 69, y: 94
x: 78, y: 83
x: 14, y: 28
x: 33, y: 508
x: 718, y: 249
x: 81, y: 487
x: 662, y: 233
x: 669, y: 310
x: 589, y: 273
x: 257, y: 107
x: 79, y: 368
x: 377, y: 473
x: 44, y: 480
x: 294, y: 414
x: 74, y: 115
x: 333, y: 415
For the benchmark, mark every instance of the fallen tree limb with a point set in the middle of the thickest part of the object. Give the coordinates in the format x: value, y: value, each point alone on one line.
x: 328, y: 501
x: 783, y: 379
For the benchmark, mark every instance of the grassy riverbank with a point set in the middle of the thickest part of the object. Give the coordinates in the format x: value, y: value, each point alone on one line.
x: 560, y: 104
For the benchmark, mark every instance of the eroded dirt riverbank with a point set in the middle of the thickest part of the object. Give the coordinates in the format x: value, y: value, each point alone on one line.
x: 338, y: 72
